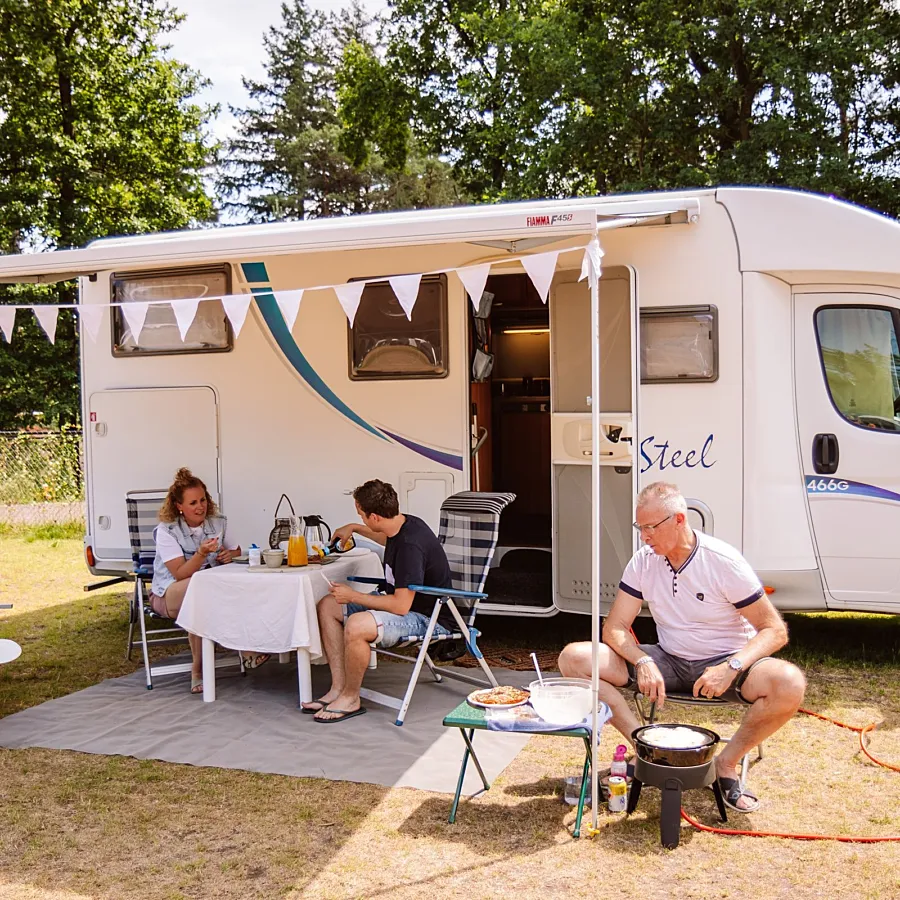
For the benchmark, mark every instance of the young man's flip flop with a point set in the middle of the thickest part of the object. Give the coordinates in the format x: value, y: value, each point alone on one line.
x: 328, y: 715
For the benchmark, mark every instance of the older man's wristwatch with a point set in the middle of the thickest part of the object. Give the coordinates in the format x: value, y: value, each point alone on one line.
x: 735, y: 664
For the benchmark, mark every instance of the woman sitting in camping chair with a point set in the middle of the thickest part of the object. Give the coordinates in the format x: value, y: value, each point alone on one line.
x: 189, y: 537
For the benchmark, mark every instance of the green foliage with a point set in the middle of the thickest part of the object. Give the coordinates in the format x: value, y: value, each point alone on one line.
x: 40, y: 467
x: 374, y: 107
x: 98, y: 137
x: 51, y: 531
x: 292, y: 159
x: 563, y: 97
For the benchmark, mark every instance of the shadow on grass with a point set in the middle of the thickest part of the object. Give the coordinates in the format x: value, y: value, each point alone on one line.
x: 493, y: 828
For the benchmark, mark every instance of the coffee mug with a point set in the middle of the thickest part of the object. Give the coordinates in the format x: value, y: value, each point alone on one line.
x: 273, y: 558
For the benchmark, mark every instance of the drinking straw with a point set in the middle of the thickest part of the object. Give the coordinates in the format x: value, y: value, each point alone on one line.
x: 537, y: 668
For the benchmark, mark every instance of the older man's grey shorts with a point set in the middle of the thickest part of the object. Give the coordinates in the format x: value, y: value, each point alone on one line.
x: 680, y: 675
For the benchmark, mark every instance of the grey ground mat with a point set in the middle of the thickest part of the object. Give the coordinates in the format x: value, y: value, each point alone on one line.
x: 255, y: 725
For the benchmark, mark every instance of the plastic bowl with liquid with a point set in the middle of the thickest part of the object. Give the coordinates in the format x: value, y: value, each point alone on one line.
x: 561, y: 701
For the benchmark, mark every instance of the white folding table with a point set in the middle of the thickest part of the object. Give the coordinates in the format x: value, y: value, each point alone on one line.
x: 265, y: 610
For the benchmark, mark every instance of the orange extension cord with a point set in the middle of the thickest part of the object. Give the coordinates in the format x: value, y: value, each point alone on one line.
x: 862, y: 732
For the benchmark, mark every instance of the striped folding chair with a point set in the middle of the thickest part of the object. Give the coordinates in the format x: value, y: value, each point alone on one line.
x: 470, y: 525
x: 143, y: 517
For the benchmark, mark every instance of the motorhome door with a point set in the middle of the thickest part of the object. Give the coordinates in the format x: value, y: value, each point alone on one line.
x: 571, y: 447
x: 848, y: 409
x: 136, y: 441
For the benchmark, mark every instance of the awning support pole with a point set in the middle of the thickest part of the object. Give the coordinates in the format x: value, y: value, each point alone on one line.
x: 594, y: 281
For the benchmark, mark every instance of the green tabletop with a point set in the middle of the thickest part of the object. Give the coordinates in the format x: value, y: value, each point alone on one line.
x: 466, y: 716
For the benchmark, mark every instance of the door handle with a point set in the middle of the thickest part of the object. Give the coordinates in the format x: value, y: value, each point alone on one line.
x: 826, y: 454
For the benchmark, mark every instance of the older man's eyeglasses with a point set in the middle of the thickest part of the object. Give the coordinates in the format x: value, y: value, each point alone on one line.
x: 649, y: 529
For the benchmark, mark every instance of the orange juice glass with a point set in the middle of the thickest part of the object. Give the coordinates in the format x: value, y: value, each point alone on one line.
x: 296, y: 555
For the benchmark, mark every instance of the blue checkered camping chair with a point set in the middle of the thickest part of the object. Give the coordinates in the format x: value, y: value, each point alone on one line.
x: 143, y: 517
x: 470, y: 526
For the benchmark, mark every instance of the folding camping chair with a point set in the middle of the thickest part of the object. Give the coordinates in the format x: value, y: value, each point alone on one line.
x: 470, y: 524
x: 143, y: 517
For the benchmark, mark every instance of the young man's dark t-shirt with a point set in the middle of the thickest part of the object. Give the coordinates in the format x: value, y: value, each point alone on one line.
x: 415, y: 556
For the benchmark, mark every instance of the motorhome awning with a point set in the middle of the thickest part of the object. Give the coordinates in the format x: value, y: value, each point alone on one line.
x: 514, y: 226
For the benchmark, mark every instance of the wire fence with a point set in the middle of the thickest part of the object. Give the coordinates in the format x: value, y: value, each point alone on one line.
x: 41, y: 477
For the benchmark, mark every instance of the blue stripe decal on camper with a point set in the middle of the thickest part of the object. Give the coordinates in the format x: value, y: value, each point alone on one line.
x: 265, y: 300
x: 257, y: 273
x: 438, y: 456
x: 817, y: 486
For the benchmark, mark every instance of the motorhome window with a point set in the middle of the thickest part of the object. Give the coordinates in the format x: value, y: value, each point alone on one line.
x: 861, y: 359
x: 384, y: 344
x: 679, y: 344
x: 210, y: 331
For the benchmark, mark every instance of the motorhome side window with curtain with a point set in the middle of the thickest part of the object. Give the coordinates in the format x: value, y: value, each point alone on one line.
x: 679, y: 344
x: 384, y: 344
x: 861, y: 361
x: 210, y: 331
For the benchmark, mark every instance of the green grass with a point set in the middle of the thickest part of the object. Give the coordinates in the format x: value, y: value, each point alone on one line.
x: 52, y: 531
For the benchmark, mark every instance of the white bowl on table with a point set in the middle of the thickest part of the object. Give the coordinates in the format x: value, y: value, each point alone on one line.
x: 561, y: 701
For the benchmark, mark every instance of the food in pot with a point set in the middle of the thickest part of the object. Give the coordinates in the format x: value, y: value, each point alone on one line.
x: 679, y: 737
x: 502, y: 695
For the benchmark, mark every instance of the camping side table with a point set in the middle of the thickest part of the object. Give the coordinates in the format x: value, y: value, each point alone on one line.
x: 468, y: 720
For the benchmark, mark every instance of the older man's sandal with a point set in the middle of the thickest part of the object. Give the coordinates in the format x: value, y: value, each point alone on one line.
x: 732, y: 791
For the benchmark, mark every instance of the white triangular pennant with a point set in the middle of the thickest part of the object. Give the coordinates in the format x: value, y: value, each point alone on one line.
x: 47, y: 316
x: 236, y: 306
x: 348, y: 296
x: 185, y: 311
x: 135, y: 315
x: 406, y: 290
x: 7, y: 322
x: 289, y: 304
x: 591, y: 262
x: 540, y: 269
x: 474, y: 278
x: 90, y: 316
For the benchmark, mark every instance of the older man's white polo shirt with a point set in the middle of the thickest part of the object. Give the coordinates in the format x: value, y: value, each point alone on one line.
x: 697, y: 609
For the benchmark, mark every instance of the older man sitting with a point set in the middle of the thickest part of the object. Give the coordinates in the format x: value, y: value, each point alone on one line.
x: 716, y: 629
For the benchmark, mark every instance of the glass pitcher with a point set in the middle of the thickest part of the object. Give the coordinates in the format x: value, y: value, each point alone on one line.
x: 297, y: 555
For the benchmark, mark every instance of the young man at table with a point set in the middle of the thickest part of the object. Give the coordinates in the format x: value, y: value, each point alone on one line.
x: 349, y: 620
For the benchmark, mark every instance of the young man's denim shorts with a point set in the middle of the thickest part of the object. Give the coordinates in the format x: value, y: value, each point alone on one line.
x: 393, y: 628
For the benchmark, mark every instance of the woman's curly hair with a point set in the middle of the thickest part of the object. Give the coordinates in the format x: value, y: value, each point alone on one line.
x: 184, y: 479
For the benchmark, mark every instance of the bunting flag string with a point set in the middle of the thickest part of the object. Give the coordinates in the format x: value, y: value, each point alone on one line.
x: 540, y: 268
x: 236, y: 307
x: 7, y: 322
x: 47, y: 315
x: 135, y: 315
x: 185, y: 312
x: 473, y: 279
x: 91, y: 316
x: 289, y: 304
x: 349, y: 295
x: 406, y: 290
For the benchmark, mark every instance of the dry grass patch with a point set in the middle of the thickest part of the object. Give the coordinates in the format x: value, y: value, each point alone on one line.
x: 79, y: 827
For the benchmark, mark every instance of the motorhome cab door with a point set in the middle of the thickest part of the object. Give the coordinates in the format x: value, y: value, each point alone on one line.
x: 848, y: 409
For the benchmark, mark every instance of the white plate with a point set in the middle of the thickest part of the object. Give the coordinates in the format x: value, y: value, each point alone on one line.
x: 479, y: 705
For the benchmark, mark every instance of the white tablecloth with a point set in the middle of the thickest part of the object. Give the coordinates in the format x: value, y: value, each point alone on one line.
x: 269, y: 612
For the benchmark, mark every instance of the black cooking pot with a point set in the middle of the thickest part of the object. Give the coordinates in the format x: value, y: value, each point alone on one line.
x: 683, y: 756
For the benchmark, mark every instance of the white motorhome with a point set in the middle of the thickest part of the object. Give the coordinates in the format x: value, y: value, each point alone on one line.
x: 748, y: 350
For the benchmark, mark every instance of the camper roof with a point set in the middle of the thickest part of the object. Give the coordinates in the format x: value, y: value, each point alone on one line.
x: 778, y: 231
